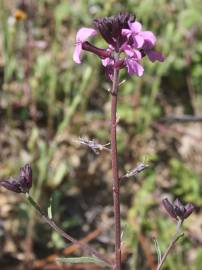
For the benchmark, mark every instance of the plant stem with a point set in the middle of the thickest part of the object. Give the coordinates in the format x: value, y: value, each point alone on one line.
x: 116, y: 183
x: 53, y: 225
x: 177, y: 236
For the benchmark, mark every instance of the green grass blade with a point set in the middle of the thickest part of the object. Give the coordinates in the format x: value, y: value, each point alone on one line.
x: 84, y: 260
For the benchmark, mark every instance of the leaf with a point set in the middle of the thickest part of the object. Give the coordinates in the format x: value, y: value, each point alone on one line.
x: 158, y: 250
x: 50, y: 215
x: 84, y: 260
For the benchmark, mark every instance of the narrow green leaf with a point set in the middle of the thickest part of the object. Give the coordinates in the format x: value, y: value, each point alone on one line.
x: 84, y: 260
x: 50, y: 215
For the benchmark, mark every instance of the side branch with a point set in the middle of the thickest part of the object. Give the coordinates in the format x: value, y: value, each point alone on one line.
x: 53, y: 225
x: 176, y: 237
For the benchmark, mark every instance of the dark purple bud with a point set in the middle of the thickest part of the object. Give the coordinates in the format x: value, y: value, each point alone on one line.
x: 26, y: 174
x: 179, y: 204
x: 169, y: 208
x: 111, y: 28
x: 102, y: 53
x: 20, y: 184
x: 189, y: 208
x: 177, y: 209
x: 11, y: 184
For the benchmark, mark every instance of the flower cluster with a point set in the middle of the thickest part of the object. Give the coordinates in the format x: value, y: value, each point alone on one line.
x: 177, y: 210
x: 127, y: 44
x: 21, y: 183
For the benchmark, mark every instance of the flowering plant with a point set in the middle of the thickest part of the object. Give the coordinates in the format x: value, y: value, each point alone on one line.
x: 127, y: 45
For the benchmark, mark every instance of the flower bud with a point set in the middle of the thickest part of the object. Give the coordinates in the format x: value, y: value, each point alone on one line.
x: 21, y: 183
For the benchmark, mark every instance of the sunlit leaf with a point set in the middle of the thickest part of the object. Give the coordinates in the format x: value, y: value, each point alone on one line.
x: 84, y: 260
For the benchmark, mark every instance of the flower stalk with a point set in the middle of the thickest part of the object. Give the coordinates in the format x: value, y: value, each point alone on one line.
x: 175, y: 238
x: 116, y: 182
x: 179, y: 212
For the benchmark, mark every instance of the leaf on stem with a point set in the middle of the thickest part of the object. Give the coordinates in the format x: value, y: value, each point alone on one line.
x: 93, y: 145
x: 84, y: 260
x: 134, y: 172
x: 158, y: 250
x: 50, y: 214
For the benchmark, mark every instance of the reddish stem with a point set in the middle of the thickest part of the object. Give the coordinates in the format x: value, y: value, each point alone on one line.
x: 116, y: 184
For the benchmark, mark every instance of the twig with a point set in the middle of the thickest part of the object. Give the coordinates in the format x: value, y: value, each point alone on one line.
x: 165, y: 129
x: 68, y: 250
x: 181, y: 118
x: 53, y: 225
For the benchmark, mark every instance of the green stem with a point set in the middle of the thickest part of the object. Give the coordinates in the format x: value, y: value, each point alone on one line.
x: 175, y: 238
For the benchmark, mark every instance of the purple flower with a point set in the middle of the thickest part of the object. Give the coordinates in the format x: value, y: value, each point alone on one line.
x: 132, y: 61
x: 21, y: 183
x: 143, y: 40
x: 82, y: 35
x: 127, y: 44
x: 133, y: 34
x: 147, y: 48
x: 177, y: 210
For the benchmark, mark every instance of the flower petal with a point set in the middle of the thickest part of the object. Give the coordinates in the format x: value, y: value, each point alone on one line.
x: 135, y: 27
x: 134, y: 67
x: 84, y: 33
x: 138, y: 41
x: 149, y: 38
x: 128, y: 50
x: 137, y: 55
x: 155, y: 56
x: 77, y: 53
x: 107, y: 61
x: 126, y: 32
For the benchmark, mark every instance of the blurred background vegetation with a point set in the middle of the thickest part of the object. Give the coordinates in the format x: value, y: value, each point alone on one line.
x: 47, y: 102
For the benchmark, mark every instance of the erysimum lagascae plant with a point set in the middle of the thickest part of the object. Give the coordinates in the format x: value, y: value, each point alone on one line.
x: 127, y: 44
